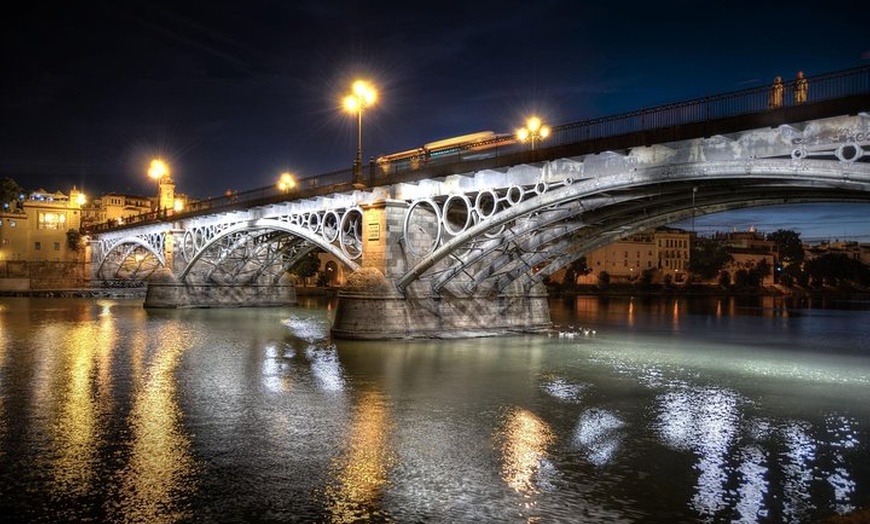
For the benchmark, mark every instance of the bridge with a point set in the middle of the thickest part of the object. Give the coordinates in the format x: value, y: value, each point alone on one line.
x: 460, y: 244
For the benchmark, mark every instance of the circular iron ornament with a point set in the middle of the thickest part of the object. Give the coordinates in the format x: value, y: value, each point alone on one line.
x: 313, y: 221
x: 350, y: 233
x: 515, y: 195
x: 330, y: 226
x: 448, y: 208
x: 416, y: 232
x: 849, y: 153
x: 799, y: 154
x: 541, y: 187
x: 486, y: 204
x: 188, y: 246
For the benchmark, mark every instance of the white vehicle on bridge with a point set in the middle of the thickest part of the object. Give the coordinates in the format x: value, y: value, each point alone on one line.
x: 464, y: 147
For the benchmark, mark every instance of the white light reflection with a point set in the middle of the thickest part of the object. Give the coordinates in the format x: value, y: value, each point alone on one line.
x: 843, y: 438
x: 702, y: 420
x: 274, y: 376
x: 309, y: 329
x: 597, y: 433
x: 563, y: 390
x: 799, y: 454
x: 753, y: 488
x: 325, y: 367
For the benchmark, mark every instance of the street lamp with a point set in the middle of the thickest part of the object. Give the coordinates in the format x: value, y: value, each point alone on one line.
x: 158, y: 170
x: 534, y: 132
x: 363, y: 96
x: 286, y: 182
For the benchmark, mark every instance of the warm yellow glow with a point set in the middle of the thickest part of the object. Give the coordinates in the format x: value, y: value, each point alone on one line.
x: 364, y: 95
x: 178, y: 205
x: 286, y: 182
x: 80, y: 199
x: 534, y: 131
x: 525, y: 441
x: 159, y: 476
x: 158, y: 169
x: 362, y: 473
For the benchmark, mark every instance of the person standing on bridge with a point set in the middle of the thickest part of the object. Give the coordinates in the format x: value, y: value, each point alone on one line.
x: 800, y: 88
x: 776, y: 92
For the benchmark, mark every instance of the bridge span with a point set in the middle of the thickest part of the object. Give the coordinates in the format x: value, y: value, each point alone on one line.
x: 463, y: 248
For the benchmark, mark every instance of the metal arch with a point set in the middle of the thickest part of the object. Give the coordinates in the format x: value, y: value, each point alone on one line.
x: 532, y: 252
x: 478, y: 252
x: 127, y: 241
x: 600, y: 236
x: 153, y: 242
x: 276, y: 225
x: 593, y: 241
x: 812, y: 171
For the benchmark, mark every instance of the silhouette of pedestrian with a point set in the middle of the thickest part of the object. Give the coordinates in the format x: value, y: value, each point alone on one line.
x: 800, y: 88
x: 776, y: 92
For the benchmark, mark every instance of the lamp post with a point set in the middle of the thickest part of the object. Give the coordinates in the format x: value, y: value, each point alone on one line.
x: 157, y: 170
x: 286, y: 182
x: 534, y: 132
x: 363, y: 96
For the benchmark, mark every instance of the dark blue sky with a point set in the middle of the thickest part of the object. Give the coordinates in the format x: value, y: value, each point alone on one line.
x: 233, y: 93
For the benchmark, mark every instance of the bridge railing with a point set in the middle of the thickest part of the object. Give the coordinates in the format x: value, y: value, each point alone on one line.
x: 831, y: 86
x: 826, y: 87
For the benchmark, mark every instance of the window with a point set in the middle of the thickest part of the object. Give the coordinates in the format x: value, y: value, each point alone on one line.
x: 57, y: 246
x: 51, y: 220
x: 37, y: 246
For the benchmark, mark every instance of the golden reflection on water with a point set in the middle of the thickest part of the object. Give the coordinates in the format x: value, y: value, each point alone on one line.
x: 75, y: 430
x: 361, y: 474
x: 160, y: 474
x: 525, y: 438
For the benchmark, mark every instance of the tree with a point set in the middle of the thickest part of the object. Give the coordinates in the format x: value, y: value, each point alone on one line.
x: 837, y: 268
x: 708, y: 258
x: 576, y: 268
x: 9, y: 192
x: 74, y: 240
x: 603, y: 279
x: 308, y: 266
x: 789, y: 245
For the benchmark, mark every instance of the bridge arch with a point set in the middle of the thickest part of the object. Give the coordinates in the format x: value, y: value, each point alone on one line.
x: 131, y: 251
x: 623, y: 202
x: 268, y: 226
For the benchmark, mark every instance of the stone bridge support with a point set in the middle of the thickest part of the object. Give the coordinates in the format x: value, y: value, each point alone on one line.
x: 371, y: 306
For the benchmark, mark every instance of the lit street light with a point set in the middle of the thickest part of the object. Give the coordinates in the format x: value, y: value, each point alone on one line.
x: 158, y: 170
x: 286, y: 182
x: 363, y: 96
x: 534, y: 131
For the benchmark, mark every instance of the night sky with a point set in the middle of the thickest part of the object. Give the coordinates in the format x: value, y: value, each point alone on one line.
x: 233, y: 93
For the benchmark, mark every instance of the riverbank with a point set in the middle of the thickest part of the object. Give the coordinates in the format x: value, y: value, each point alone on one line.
x: 137, y: 292
x: 796, y: 293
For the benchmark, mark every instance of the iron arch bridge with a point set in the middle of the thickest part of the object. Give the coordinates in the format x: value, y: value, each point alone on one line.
x: 247, y: 247
x: 489, y: 230
x: 428, y: 245
x: 541, y: 218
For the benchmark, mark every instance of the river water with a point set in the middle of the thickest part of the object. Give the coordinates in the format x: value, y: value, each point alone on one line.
x: 656, y: 410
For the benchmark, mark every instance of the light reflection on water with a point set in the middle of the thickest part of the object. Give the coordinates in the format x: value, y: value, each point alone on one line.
x: 671, y: 411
